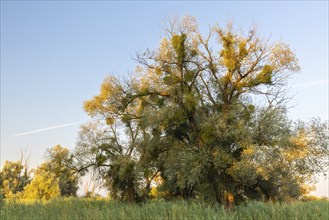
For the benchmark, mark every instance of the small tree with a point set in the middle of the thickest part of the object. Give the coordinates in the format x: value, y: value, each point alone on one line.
x: 59, y: 162
x: 44, y: 185
x: 14, y: 176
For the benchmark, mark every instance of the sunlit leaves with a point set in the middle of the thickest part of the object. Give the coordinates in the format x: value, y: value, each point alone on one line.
x: 107, y: 100
x: 282, y: 58
x: 14, y: 176
x: 43, y: 186
x: 189, y: 113
x: 60, y: 163
x: 110, y: 121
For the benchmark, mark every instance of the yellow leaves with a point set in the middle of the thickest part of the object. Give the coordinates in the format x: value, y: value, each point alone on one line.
x: 265, y: 75
x: 157, y: 181
x: 144, y: 85
x: 158, y: 71
x: 228, y: 58
x: 43, y: 186
x: 239, y: 85
x: 165, y: 51
x: 234, y: 169
x: 105, y: 90
x: 248, y: 151
x: 226, y: 37
x: 89, y: 106
x: 262, y: 172
x: 110, y: 121
x: 299, y: 149
x: 259, y: 170
x: 283, y: 58
x: 230, y: 51
x: 14, y: 196
x: 242, y: 49
x: 229, y: 63
x: 244, y: 60
x: 306, y: 189
x: 110, y: 91
x: 300, y: 140
x: 156, y: 193
x: 150, y: 81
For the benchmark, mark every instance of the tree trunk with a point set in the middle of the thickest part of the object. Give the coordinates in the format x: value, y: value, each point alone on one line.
x: 227, y: 200
x: 131, y: 195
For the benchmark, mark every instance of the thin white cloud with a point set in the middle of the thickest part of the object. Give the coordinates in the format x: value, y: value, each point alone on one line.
x: 312, y: 83
x: 44, y: 129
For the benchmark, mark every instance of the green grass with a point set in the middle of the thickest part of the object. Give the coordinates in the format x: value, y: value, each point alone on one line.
x: 103, y: 209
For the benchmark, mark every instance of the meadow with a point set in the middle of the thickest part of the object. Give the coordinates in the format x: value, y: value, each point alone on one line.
x: 104, y: 209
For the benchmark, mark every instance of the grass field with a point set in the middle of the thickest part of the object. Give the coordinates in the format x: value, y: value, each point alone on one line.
x: 103, y: 209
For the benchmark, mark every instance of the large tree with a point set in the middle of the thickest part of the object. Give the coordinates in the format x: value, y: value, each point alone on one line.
x: 208, y: 115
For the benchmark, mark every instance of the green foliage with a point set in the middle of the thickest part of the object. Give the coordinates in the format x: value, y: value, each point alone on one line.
x: 266, y: 74
x: 178, y: 43
x: 111, y: 158
x: 122, y: 179
x: 191, y: 117
x: 14, y: 176
x: 59, y: 162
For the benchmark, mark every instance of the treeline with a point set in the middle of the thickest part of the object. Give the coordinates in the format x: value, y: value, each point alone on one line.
x: 201, y: 117
x: 57, y: 176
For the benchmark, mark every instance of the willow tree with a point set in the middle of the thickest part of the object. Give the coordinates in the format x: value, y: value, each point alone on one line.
x: 196, y: 108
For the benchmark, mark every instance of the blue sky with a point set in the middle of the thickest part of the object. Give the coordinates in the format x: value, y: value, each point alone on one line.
x: 55, y: 54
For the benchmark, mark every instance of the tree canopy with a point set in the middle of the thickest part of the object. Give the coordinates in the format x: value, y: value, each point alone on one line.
x: 60, y: 162
x: 57, y: 176
x: 14, y: 176
x: 43, y: 186
x: 207, y: 114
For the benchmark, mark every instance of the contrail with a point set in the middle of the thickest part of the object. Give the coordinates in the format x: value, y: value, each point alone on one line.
x: 44, y: 129
x: 312, y: 83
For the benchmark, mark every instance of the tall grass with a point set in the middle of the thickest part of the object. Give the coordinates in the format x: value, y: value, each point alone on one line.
x: 76, y: 208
